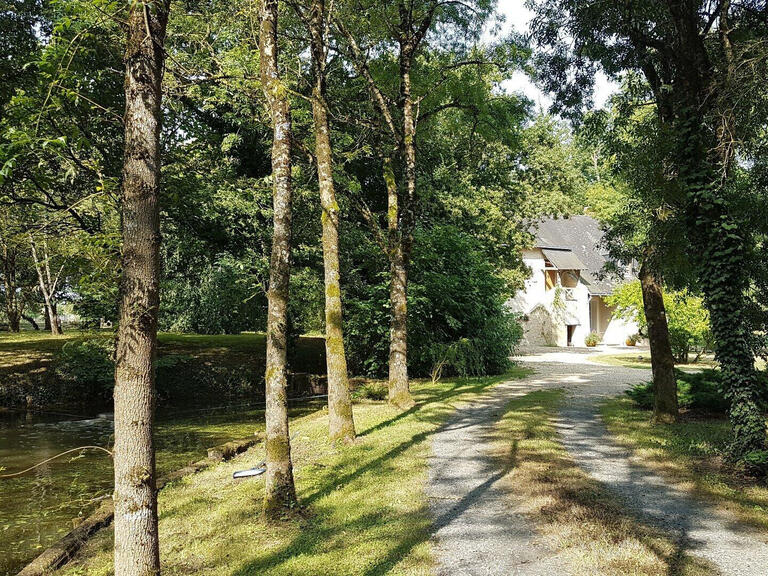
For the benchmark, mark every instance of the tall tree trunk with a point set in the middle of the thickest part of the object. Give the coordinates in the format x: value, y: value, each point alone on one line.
x: 340, y: 420
x: 52, y: 316
x: 662, y: 363
x: 399, y: 392
x: 279, y: 491
x: 706, y: 160
x: 136, y: 534
x: 401, y: 223
x: 48, y: 285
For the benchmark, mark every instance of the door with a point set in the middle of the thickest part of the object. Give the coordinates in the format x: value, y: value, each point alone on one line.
x: 571, y: 328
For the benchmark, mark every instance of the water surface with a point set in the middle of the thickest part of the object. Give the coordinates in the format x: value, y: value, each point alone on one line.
x: 40, y: 507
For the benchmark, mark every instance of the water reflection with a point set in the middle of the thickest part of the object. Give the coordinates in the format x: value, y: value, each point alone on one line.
x: 38, y: 508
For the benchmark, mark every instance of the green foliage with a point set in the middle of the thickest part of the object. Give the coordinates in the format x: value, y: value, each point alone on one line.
x: 701, y: 391
x: 374, y: 390
x: 456, y: 311
x: 86, y: 366
x: 217, y: 299
x: 688, y: 319
x: 592, y: 339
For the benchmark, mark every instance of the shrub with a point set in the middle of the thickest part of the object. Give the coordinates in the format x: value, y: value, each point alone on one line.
x: 701, y: 391
x: 86, y: 367
x: 371, y: 391
x: 688, y: 320
x: 592, y: 339
x: 457, y: 318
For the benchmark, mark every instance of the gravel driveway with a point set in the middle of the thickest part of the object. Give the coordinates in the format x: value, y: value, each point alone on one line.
x: 476, y: 534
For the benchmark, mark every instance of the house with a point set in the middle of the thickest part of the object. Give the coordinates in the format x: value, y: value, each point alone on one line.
x: 564, y: 298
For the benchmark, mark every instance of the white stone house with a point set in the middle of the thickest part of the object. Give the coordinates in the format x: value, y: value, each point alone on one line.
x: 564, y: 297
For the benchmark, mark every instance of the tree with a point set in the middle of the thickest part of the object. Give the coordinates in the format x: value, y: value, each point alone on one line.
x: 48, y: 284
x: 687, y: 317
x: 665, y: 406
x: 279, y: 491
x: 341, y: 423
x: 403, y: 26
x: 137, y: 551
x: 702, y: 75
x: 630, y: 205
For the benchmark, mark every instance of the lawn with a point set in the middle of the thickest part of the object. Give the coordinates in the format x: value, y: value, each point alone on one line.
x: 223, y: 366
x: 643, y: 360
x: 575, y: 514
x: 690, y: 452
x: 363, y: 507
x: 34, y: 349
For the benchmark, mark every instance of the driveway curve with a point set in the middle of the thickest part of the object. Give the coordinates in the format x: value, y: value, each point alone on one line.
x: 477, y: 534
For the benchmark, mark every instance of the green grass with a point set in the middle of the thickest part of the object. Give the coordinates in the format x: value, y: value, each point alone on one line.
x: 691, y: 452
x: 643, y: 360
x: 364, y: 511
x: 577, y: 517
x: 28, y: 360
x: 23, y: 347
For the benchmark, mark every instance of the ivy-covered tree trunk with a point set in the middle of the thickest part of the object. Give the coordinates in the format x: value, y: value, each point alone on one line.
x: 137, y: 550
x: 722, y: 248
x: 706, y: 156
x: 665, y: 408
x: 279, y: 491
x: 341, y: 425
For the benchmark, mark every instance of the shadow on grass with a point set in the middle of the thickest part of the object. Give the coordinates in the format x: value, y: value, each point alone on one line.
x: 693, y: 450
x: 464, y: 386
x: 577, y: 510
x: 313, y: 538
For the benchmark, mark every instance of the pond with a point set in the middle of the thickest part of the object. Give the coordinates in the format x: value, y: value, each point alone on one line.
x: 40, y: 507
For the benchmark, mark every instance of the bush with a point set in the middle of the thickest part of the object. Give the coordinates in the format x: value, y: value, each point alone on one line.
x: 700, y: 391
x: 592, y: 339
x: 86, y: 373
x: 371, y: 391
x: 87, y: 368
x: 456, y: 308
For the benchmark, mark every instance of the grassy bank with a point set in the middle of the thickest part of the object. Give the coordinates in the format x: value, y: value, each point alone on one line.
x: 192, y: 368
x: 577, y: 517
x: 690, y: 452
x: 642, y: 359
x: 364, y: 510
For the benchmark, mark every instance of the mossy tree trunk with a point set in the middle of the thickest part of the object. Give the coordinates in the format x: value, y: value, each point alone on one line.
x: 399, y: 389
x: 136, y: 534
x: 279, y: 491
x: 410, y: 29
x: 340, y: 420
x: 665, y: 407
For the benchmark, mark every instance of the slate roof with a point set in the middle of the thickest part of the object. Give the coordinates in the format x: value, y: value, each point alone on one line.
x: 581, y: 235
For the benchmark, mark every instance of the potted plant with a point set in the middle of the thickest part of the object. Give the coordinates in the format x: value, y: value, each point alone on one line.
x: 632, y: 340
x: 592, y: 339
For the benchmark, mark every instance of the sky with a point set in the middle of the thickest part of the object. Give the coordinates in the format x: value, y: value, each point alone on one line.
x: 517, y: 17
